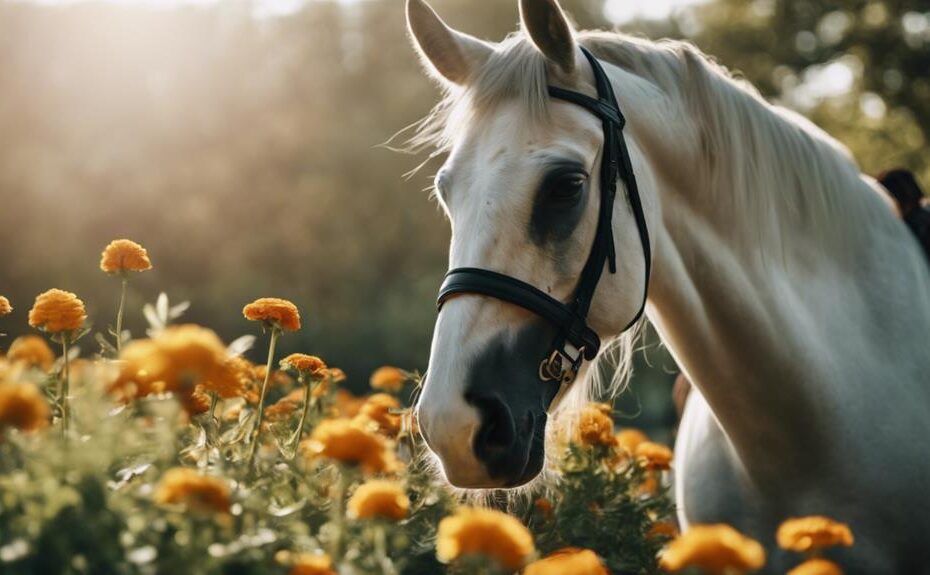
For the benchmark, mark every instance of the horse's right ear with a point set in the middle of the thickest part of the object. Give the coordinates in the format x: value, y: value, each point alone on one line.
x: 448, y: 54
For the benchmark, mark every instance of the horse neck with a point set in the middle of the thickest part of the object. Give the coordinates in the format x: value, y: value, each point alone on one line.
x: 763, y: 308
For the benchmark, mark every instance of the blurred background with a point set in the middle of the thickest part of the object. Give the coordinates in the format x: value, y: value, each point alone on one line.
x: 238, y: 141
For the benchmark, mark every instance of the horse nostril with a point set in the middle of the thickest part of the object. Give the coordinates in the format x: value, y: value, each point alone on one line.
x: 496, y: 433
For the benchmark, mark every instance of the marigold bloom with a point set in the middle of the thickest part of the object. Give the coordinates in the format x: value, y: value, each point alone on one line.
x: 568, y: 560
x: 654, y: 456
x: 388, y: 378
x: 813, y: 533
x: 33, y: 351
x: 5, y: 307
x: 275, y: 311
x: 56, y: 311
x: 544, y: 507
x: 307, y: 564
x: 595, y: 428
x: 349, y: 442
x: 377, y: 409
x: 124, y: 256
x: 817, y: 566
x: 184, y: 486
x: 662, y: 529
x: 487, y: 532
x: 286, y: 406
x: 178, y: 360
x: 306, y: 364
x: 629, y: 439
x: 379, y: 499
x: 347, y: 404
x: 335, y: 375
x: 23, y: 406
x: 716, y: 549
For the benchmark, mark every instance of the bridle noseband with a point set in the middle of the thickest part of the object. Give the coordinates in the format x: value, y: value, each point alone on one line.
x: 576, y: 341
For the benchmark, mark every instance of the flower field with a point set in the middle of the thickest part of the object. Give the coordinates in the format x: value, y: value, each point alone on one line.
x: 172, y: 453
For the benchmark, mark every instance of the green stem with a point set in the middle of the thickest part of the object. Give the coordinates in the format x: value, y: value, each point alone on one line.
x: 381, y: 550
x: 119, y: 316
x: 275, y: 332
x: 63, y: 390
x: 308, y: 401
x: 338, y: 517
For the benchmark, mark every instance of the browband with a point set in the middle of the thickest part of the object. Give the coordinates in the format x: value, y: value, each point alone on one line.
x: 570, y: 319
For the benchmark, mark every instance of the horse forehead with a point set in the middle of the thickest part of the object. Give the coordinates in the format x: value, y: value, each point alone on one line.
x: 506, y: 144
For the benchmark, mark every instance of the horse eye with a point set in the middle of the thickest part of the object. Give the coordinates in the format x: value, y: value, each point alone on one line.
x: 567, y: 187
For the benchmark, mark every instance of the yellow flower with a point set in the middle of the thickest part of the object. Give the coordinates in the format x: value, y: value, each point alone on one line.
x: 22, y: 406
x: 377, y: 409
x: 307, y: 564
x: 124, y: 256
x: 716, y: 549
x: 275, y: 311
x: 379, y: 499
x: 5, y: 307
x: 178, y: 360
x: 184, y: 486
x: 813, y: 533
x: 487, y: 532
x: 817, y: 567
x: 306, y: 364
x: 629, y: 439
x: 595, y: 427
x: 654, y: 456
x: 33, y: 351
x: 349, y: 442
x: 568, y: 560
x: 388, y: 378
x: 56, y: 311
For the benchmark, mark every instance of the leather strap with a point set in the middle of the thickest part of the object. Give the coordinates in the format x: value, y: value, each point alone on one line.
x: 570, y: 319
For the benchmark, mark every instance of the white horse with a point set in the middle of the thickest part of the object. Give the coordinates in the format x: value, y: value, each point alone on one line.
x: 784, y: 285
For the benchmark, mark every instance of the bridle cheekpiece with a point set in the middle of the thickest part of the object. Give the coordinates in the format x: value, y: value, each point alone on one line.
x: 576, y: 341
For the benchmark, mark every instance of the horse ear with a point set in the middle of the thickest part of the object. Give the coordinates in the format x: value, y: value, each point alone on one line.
x: 446, y: 53
x: 551, y: 31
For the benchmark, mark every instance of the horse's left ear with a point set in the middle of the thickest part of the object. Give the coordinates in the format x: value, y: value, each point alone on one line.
x: 550, y: 31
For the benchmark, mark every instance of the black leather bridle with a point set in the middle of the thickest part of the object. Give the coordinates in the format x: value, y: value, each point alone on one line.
x: 576, y: 341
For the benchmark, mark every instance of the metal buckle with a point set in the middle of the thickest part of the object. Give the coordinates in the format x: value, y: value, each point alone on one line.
x: 553, y: 368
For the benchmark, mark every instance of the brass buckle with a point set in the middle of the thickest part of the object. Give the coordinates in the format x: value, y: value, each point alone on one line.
x: 560, y: 367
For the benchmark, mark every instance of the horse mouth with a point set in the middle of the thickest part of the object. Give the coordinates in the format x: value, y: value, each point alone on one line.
x: 534, y: 460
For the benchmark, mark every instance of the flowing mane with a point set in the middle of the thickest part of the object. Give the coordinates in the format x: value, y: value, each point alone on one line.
x: 762, y: 164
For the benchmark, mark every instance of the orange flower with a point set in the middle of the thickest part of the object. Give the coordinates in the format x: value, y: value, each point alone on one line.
x: 33, y: 351
x: 307, y: 564
x: 813, y: 533
x: 5, y: 307
x: 178, y: 360
x: 388, y: 378
x: 717, y: 549
x: 306, y: 364
x: 377, y: 409
x: 629, y: 439
x: 335, y: 375
x: 487, y: 532
x: 544, y: 507
x: 347, y: 441
x: 662, y: 529
x: 286, y: 406
x: 595, y: 428
x: 56, y: 311
x: 817, y: 567
x: 379, y: 499
x: 568, y: 560
x: 275, y: 312
x: 124, y: 256
x: 346, y: 404
x: 184, y: 486
x: 22, y: 406
x: 654, y: 456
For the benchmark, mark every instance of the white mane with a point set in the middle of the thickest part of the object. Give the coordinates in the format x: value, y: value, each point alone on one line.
x: 767, y: 167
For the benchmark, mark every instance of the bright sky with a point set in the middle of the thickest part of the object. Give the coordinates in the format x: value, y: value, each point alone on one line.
x: 618, y: 11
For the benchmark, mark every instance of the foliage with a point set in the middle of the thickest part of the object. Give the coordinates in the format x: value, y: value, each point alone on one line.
x: 91, y: 500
